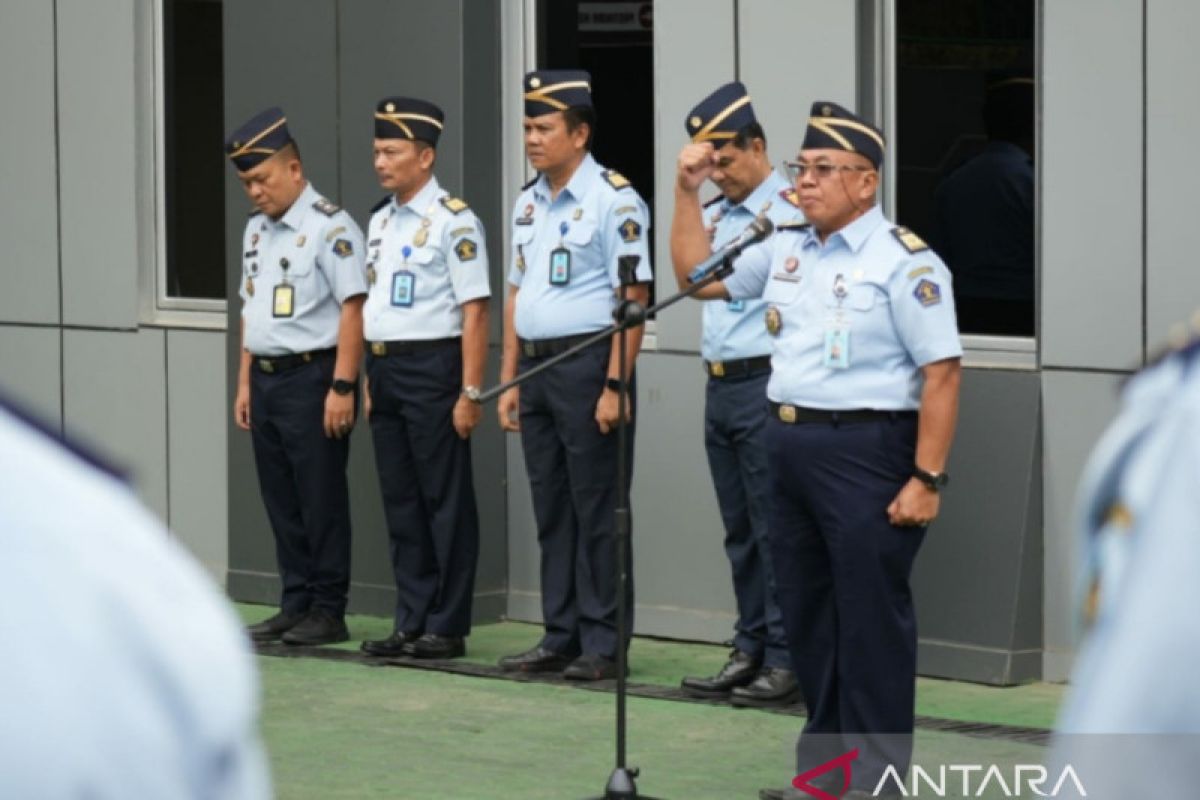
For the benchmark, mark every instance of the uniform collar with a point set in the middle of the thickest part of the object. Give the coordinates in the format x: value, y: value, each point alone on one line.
x: 855, y: 235
x: 422, y: 200
x: 766, y: 191
x: 294, y: 216
x: 581, y: 181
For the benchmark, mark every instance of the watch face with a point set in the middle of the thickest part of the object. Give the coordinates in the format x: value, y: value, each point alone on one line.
x: 343, y: 387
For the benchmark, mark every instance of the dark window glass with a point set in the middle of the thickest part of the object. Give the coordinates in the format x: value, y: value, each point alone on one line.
x: 195, y: 190
x: 614, y: 41
x: 965, y: 157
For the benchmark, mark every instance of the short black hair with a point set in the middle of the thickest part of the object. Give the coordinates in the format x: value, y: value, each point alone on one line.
x: 748, y: 132
x: 291, y: 150
x: 581, y: 115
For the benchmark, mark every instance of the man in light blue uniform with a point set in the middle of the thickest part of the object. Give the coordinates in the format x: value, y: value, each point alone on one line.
x: 425, y: 322
x: 302, y: 291
x: 864, y: 399
x: 579, y: 243
x: 1138, y: 511
x: 127, y: 674
x: 728, y: 147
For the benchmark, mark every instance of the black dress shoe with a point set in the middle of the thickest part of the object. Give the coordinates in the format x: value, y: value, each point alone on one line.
x: 390, y: 647
x: 789, y: 793
x: 271, y: 628
x: 592, y: 668
x: 432, y: 645
x: 319, y: 627
x: 773, y: 687
x: 740, y: 669
x: 537, y: 659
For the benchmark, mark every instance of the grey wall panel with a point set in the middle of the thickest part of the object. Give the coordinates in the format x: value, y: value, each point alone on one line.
x: 28, y: 168
x: 98, y: 162
x: 196, y: 419
x: 1077, y: 407
x: 697, y: 57
x: 523, y: 554
x: 1091, y: 231
x: 1172, y: 118
x: 115, y: 398
x: 784, y: 78
x: 30, y: 370
x: 969, y: 577
x: 380, y: 57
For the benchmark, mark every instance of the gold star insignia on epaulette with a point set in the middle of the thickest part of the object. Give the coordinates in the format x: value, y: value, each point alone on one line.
x: 615, y: 179
x: 453, y: 204
x: 909, y: 240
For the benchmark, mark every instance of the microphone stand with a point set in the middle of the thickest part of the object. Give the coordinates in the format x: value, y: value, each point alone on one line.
x: 628, y: 314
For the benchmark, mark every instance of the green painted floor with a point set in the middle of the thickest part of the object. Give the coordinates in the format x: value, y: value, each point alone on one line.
x: 347, y: 730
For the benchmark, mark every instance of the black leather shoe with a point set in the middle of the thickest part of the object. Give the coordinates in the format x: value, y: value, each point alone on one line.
x: 431, y: 645
x: 592, y: 668
x: 390, y: 647
x: 789, y: 793
x: 271, y: 628
x: 319, y: 627
x: 773, y: 687
x: 740, y: 669
x: 537, y: 659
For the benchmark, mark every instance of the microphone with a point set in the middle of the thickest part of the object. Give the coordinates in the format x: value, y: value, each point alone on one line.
x: 755, y: 232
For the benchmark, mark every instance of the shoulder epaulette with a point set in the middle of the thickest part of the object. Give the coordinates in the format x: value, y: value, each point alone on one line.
x: 793, y: 225
x: 387, y: 198
x: 714, y: 201
x: 615, y: 179
x: 531, y: 182
x: 909, y: 240
x: 791, y: 196
x: 326, y: 207
x: 453, y: 204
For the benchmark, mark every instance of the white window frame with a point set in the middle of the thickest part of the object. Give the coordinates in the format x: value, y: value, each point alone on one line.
x: 157, y: 307
x: 987, y: 352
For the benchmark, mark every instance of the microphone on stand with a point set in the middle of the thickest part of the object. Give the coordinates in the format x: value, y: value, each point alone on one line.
x: 755, y: 232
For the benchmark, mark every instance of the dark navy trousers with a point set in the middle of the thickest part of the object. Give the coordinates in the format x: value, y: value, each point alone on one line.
x: 428, y: 491
x: 572, y: 471
x: 735, y: 416
x: 302, y: 477
x: 842, y: 572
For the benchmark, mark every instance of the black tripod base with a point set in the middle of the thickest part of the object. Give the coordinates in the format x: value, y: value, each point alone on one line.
x: 621, y: 787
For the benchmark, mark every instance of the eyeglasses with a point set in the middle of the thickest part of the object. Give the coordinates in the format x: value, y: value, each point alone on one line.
x: 798, y: 169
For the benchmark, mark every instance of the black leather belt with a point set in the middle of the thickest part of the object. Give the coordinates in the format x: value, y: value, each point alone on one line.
x: 738, y: 368
x: 395, y: 348
x: 541, y: 348
x: 794, y: 414
x: 272, y: 364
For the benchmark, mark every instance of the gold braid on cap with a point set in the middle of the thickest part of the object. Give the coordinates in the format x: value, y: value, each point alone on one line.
x: 401, y: 115
x: 826, y: 126
x: 542, y: 95
x: 706, y: 134
x: 248, y: 147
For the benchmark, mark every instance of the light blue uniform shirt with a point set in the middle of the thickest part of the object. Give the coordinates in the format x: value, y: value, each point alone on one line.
x: 323, y: 249
x: 444, y: 268
x: 126, y: 673
x: 734, y: 329
x: 602, y: 223
x: 895, y: 310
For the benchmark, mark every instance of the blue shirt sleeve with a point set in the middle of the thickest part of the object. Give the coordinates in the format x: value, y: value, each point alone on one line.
x: 625, y: 232
x: 342, y: 257
x: 923, y: 309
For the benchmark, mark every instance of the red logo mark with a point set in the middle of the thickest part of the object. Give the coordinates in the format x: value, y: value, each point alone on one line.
x: 801, y: 781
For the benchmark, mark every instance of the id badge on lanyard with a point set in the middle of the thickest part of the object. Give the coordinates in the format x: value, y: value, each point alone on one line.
x: 284, y: 300
x: 836, y: 350
x: 560, y: 260
x: 404, y: 283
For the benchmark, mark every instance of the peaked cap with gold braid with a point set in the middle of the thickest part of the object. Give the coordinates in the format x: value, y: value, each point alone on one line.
x: 831, y: 127
x: 553, y: 90
x: 408, y: 118
x: 719, y: 117
x: 264, y: 135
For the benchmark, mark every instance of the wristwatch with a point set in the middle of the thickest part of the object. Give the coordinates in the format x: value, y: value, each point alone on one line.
x: 471, y: 393
x: 616, y: 384
x: 934, y: 480
x: 342, y: 387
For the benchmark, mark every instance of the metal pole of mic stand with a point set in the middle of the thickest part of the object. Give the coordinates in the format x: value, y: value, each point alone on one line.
x: 628, y: 314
